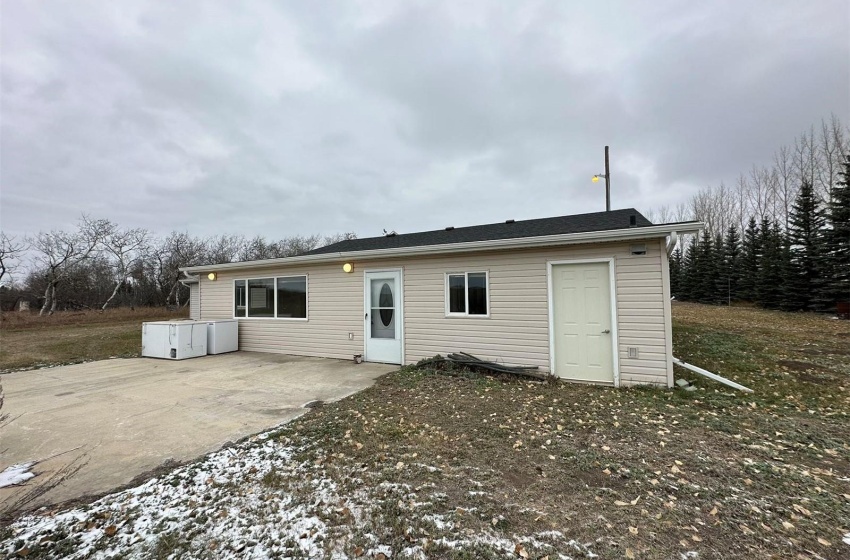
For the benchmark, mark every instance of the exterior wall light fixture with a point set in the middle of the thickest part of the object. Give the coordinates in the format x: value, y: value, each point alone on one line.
x: 347, y: 267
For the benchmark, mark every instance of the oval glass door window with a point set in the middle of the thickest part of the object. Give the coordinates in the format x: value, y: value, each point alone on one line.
x: 385, y: 302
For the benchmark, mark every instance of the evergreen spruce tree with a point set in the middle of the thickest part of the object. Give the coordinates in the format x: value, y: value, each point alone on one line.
x: 676, y: 273
x: 721, y: 276
x: 731, y: 264
x: 771, y: 266
x: 837, y: 254
x: 689, y: 276
x: 803, y: 277
x: 706, y: 281
x: 750, y: 257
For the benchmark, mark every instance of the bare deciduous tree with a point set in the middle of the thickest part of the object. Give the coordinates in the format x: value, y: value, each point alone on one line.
x: 787, y: 183
x: 761, y: 192
x: 11, y: 251
x: 59, y: 252
x: 224, y: 248
x: 832, y: 145
x: 124, y: 248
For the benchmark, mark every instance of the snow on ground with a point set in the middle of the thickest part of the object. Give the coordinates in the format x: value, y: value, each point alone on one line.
x: 252, y: 500
x: 16, y: 474
x: 847, y: 538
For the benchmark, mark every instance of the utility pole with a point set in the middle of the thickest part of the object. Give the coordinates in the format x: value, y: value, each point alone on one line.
x: 607, y: 183
x: 607, y: 176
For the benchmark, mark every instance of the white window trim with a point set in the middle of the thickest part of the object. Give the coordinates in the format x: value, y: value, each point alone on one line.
x: 466, y: 313
x: 274, y: 279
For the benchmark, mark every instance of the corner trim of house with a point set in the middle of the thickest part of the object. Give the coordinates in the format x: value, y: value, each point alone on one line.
x: 668, y: 313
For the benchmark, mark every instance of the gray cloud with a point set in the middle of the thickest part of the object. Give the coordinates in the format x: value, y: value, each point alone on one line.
x: 278, y: 119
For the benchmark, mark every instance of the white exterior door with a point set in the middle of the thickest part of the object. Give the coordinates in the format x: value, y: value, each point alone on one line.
x: 581, y: 322
x: 383, y: 318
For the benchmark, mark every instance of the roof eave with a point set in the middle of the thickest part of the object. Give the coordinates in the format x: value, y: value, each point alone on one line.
x: 643, y: 232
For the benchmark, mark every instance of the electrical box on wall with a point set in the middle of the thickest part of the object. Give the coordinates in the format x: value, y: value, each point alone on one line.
x: 633, y: 352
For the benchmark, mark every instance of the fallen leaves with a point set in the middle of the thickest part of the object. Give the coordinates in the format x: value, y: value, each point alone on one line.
x: 800, y: 509
x: 622, y: 503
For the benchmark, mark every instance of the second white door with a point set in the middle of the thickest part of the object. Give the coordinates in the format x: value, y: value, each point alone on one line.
x: 581, y: 322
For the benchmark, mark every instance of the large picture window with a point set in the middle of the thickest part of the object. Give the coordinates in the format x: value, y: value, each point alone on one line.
x: 269, y: 298
x: 466, y: 294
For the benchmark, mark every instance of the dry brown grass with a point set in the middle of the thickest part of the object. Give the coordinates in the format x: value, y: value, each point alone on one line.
x: 27, y: 340
x: 625, y: 473
x: 639, y: 473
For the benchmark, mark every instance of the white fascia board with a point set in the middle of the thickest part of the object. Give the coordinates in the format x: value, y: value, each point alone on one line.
x: 625, y: 234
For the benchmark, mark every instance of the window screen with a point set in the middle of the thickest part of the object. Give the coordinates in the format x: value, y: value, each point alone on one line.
x: 261, y: 297
x: 457, y: 293
x: 477, y: 292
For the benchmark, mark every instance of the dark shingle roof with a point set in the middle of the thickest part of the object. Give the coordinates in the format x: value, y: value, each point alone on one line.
x: 581, y: 223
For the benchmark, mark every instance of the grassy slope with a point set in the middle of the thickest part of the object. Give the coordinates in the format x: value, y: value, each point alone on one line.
x: 638, y: 472
x: 27, y: 340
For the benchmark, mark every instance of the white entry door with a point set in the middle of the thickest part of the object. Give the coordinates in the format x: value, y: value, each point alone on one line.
x: 581, y: 322
x: 383, y: 319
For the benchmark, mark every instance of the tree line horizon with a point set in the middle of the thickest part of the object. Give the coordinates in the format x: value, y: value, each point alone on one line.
x: 778, y: 238
x: 100, y: 264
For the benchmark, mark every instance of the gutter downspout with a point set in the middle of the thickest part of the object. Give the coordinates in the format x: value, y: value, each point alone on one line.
x: 671, y: 245
x: 714, y: 376
x: 190, y: 279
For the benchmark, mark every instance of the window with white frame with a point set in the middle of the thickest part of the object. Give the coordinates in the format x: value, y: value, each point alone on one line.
x: 466, y: 294
x: 269, y: 298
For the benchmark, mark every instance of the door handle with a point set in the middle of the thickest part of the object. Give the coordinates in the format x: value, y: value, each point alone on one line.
x: 365, y: 316
x: 606, y: 331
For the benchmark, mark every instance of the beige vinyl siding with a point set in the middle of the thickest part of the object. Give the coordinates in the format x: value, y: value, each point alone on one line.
x: 194, y: 301
x: 334, y: 309
x: 516, y: 331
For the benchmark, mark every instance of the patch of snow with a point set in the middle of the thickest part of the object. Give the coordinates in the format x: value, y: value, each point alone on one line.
x: 847, y: 538
x: 16, y: 474
x: 254, y: 500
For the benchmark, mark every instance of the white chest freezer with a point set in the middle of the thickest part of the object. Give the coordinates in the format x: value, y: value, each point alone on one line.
x: 174, y: 340
x: 222, y: 336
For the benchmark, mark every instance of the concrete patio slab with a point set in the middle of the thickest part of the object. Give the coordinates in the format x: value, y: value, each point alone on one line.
x: 95, y: 427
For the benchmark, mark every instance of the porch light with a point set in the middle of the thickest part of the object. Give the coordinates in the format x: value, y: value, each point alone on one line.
x: 212, y: 276
x: 347, y: 267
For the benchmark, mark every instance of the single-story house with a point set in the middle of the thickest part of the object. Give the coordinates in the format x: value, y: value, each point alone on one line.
x: 585, y: 297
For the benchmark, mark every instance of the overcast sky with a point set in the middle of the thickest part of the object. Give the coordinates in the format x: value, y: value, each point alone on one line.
x: 280, y: 118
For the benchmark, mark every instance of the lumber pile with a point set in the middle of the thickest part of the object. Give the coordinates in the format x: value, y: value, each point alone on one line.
x: 471, y: 362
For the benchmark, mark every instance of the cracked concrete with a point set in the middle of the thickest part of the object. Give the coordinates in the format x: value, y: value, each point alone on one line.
x: 95, y: 427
